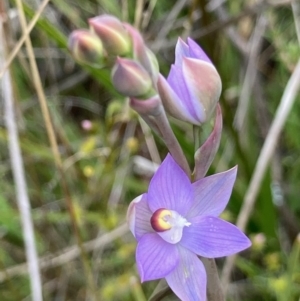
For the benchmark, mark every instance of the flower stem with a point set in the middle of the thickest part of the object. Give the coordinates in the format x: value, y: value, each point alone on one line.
x: 196, y: 133
x: 170, y: 140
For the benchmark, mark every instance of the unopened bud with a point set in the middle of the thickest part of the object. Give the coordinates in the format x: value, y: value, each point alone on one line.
x: 86, y: 48
x: 193, y: 87
x: 131, y: 79
x: 112, y: 33
x: 142, y: 53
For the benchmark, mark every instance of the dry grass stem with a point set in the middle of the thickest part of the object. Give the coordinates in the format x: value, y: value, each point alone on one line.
x: 51, y: 135
x: 264, y: 158
x: 26, y: 33
x: 66, y: 255
x: 19, y: 178
x: 251, y: 73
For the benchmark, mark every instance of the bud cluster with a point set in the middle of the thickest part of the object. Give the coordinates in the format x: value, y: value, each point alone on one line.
x: 190, y: 92
x: 135, y: 69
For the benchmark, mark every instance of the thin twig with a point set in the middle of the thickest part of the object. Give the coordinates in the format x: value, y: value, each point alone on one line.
x: 262, y: 163
x: 66, y: 255
x: 251, y: 73
x: 138, y: 13
x: 168, y: 24
x: 149, y: 139
x: 121, y: 171
x: 26, y: 33
x: 19, y: 179
x: 148, y: 14
x: 296, y: 14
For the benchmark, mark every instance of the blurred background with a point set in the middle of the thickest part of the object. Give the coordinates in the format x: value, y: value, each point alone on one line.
x: 101, y: 155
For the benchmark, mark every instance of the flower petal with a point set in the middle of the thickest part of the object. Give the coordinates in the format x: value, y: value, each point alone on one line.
x: 172, y: 103
x: 138, y: 217
x: 212, y: 237
x: 188, y: 279
x: 204, y: 85
x: 170, y: 188
x: 177, y: 81
x: 181, y: 51
x: 155, y: 258
x: 197, y: 52
x: 212, y: 193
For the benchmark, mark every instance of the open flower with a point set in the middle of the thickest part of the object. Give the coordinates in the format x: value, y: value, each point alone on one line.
x: 193, y: 86
x: 178, y: 220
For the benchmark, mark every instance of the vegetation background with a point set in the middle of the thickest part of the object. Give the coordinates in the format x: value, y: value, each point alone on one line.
x: 101, y: 155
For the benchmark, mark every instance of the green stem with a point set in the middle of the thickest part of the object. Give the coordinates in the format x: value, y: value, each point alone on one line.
x: 170, y: 140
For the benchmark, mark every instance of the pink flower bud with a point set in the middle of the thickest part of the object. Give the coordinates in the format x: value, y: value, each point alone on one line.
x: 131, y: 79
x: 113, y: 34
x: 142, y: 53
x: 86, y: 47
x: 193, y: 87
x: 87, y: 125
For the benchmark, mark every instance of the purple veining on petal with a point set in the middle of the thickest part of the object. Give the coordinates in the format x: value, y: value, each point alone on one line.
x: 170, y: 188
x: 175, y: 106
x: 196, y: 51
x: 155, y: 257
x: 212, y: 237
x: 212, y: 193
x: 188, y: 279
x: 178, y: 83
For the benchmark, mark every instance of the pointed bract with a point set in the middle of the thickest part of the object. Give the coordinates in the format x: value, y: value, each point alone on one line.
x: 206, y: 153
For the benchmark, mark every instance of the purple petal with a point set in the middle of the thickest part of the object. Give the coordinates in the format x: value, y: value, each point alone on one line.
x: 181, y: 50
x: 212, y: 193
x: 212, y: 237
x: 177, y: 81
x: 188, y: 279
x: 172, y: 103
x: 155, y: 258
x: 138, y: 217
x: 170, y: 188
x: 204, y: 86
x: 197, y: 52
x: 206, y: 153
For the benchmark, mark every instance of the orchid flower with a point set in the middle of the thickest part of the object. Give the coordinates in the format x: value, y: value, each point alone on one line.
x: 175, y: 221
x: 193, y: 87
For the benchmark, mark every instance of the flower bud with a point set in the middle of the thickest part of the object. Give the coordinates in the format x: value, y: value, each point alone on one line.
x: 131, y: 79
x: 86, y: 47
x: 193, y: 87
x: 113, y: 34
x: 142, y: 53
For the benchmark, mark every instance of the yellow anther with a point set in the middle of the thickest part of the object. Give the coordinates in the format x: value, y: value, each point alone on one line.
x: 160, y: 220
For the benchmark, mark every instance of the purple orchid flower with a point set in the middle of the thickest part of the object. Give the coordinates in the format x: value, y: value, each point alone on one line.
x: 178, y: 220
x: 193, y: 86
